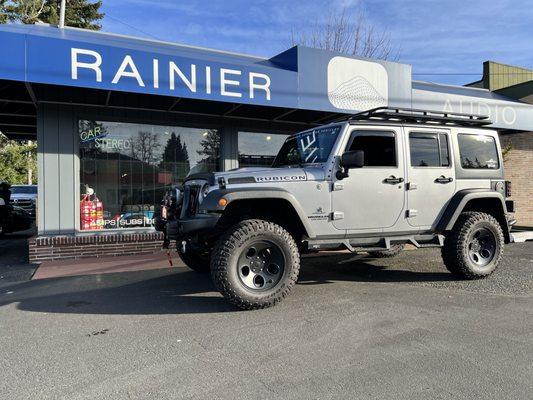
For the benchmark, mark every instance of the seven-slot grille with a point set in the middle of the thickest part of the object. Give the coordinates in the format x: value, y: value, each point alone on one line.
x: 190, y: 200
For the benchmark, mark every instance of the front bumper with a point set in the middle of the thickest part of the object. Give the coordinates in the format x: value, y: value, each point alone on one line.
x: 197, y: 224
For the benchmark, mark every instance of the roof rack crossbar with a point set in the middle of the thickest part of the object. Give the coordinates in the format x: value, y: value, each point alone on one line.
x: 419, y: 116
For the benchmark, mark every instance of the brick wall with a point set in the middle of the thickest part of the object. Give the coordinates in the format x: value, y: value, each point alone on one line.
x: 75, y: 247
x: 519, y: 170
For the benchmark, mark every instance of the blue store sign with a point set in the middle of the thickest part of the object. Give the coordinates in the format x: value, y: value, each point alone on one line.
x: 299, y: 78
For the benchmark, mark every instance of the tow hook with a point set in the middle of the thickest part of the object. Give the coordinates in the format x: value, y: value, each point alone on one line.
x: 183, y: 246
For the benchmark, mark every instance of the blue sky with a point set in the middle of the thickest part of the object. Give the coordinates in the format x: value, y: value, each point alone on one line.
x: 448, y: 39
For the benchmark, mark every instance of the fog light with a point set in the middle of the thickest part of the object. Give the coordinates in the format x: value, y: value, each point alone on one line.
x: 222, y: 202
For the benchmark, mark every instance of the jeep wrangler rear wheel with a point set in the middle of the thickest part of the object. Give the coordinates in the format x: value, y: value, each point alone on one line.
x: 255, y: 264
x: 474, y: 247
x: 394, y: 250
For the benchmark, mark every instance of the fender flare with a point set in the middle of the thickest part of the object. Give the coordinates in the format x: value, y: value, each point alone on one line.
x: 210, y: 203
x: 460, y: 200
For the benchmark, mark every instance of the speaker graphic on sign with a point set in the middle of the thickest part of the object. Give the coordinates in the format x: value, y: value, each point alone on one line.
x: 357, y: 85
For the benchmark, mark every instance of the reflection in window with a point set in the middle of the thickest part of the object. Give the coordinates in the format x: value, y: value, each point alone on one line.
x: 478, y: 151
x: 429, y: 149
x: 258, y: 149
x: 125, y: 169
x: 379, y: 148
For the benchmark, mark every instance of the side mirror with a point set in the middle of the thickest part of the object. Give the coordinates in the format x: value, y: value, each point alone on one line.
x: 350, y: 159
x: 353, y: 159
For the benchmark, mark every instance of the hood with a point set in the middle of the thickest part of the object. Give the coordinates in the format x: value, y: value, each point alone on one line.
x: 267, y: 175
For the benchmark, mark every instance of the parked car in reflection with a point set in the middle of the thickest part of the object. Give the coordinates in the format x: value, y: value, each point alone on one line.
x: 12, y: 218
x: 25, y: 197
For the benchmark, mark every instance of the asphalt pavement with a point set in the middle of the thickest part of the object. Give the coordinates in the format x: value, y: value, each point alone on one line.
x: 353, y: 328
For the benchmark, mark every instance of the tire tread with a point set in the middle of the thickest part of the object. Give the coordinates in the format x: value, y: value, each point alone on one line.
x: 230, y: 241
x: 453, y: 249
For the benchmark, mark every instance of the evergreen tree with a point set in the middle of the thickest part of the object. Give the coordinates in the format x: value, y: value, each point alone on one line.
x: 176, y: 157
x: 210, y: 148
x: 3, y: 16
x: 78, y: 13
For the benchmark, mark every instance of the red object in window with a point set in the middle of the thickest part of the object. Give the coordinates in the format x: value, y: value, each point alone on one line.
x: 91, y: 213
x: 85, y: 212
x: 164, y: 178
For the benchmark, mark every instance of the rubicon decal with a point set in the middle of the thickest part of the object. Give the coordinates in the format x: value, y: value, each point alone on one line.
x: 284, y: 178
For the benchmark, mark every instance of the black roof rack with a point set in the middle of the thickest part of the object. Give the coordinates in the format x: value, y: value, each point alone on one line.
x: 411, y: 115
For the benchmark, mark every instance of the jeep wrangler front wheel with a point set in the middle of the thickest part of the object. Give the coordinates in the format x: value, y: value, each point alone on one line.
x: 474, y: 247
x: 255, y: 264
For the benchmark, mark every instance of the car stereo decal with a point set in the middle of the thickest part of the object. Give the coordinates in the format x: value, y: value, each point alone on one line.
x: 357, y: 85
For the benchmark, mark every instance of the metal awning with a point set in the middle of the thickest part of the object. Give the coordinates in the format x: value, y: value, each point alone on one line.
x: 41, y: 64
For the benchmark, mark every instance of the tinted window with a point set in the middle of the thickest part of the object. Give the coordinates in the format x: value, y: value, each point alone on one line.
x: 258, y: 149
x: 478, y: 152
x: 24, y: 189
x: 379, y: 148
x: 429, y: 149
x: 444, y: 152
x: 312, y: 146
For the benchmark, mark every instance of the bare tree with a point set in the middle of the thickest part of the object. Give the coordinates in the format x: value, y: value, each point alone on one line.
x: 348, y: 32
x: 145, y: 147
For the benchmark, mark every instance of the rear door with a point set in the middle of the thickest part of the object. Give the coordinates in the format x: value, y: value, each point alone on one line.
x: 431, y: 176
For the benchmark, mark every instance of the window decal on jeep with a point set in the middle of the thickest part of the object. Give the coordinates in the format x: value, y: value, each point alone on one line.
x: 311, y: 147
x: 306, y: 143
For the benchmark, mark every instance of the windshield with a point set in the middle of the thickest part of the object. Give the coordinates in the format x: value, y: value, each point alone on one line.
x: 308, y: 147
x: 24, y: 190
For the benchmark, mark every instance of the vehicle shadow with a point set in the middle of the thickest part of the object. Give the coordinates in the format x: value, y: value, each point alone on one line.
x: 363, y: 268
x: 180, y: 291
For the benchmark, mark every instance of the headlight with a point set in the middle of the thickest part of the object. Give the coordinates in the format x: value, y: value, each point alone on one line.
x: 204, y: 191
x: 179, y: 195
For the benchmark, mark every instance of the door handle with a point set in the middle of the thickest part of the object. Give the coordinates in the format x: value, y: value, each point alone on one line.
x: 392, y: 180
x: 443, y: 179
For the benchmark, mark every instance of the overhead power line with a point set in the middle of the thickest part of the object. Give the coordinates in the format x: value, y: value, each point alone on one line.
x: 132, y: 26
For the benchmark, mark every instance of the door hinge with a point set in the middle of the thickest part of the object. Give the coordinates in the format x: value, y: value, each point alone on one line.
x: 411, y: 213
x: 338, y: 186
x: 336, y: 215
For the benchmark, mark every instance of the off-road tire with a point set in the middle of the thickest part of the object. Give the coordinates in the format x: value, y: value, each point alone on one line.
x: 195, y: 261
x: 457, y: 241
x: 225, y: 256
x: 394, y: 250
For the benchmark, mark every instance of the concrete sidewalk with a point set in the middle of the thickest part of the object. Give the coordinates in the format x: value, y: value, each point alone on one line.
x: 105, y: 265
x: 521, y: 234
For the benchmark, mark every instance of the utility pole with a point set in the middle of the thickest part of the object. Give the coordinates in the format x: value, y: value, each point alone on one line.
x: 30, y: 172
x: 62, y: 14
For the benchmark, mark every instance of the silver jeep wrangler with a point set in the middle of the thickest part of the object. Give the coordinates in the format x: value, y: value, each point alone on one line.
x: 372, y: 182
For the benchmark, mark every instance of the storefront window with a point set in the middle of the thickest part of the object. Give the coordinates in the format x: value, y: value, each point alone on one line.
x: 258, y: 149
x: 125, y: 169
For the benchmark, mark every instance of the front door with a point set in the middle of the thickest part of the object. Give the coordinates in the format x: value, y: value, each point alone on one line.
x: 371, y: 197
x: 431, y: 176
